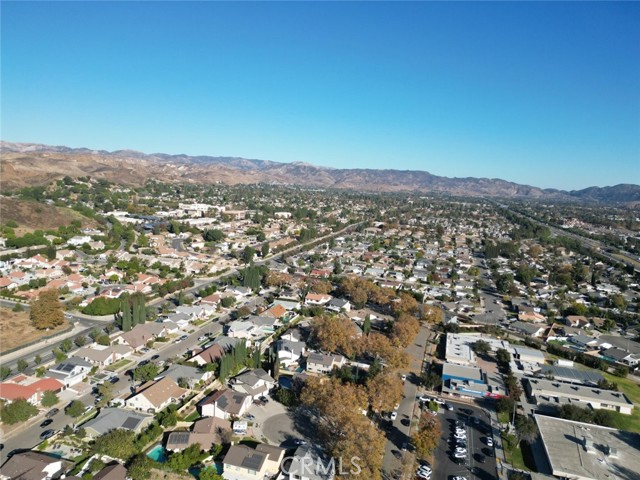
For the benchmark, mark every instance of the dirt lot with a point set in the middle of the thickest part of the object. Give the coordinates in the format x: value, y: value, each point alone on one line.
x: 162, y: 475
x: 16, y: 329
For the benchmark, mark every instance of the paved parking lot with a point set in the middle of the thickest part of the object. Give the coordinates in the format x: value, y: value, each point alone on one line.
x: 471, y: 469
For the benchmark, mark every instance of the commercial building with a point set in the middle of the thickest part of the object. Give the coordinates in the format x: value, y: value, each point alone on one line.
x: 581, y: 451
x: 547, y: 394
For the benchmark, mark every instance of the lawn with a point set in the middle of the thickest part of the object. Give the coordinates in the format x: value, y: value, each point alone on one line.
x: 631, y: 389
x: 192, y: 417
x: 512, y: 451
x: 118, y: 365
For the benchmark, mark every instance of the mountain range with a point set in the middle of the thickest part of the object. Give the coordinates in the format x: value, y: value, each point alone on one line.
x: 28, y: 164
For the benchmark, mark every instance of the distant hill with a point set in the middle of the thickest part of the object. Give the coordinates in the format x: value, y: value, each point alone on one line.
x: 33, y: 164
x: 624, y: 192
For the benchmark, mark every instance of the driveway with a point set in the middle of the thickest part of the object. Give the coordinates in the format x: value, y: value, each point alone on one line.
x: 279, y: 425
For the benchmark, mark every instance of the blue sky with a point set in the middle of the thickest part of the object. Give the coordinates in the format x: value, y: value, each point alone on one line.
x: 546, y: 94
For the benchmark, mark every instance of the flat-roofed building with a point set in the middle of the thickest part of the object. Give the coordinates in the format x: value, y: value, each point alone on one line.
x: 548, y: 393
x: 582, y: 451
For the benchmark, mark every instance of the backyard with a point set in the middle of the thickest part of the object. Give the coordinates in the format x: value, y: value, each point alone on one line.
x: 631, y: 389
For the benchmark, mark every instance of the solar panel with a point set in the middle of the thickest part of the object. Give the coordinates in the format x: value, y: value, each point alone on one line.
x: 253, y: 461
x: 131, y: 423
x: 181, y: 438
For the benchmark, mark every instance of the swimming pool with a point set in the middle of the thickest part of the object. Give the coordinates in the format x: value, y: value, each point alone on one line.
x: 158, y: 453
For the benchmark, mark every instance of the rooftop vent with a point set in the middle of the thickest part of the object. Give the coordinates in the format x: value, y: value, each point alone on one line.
x: 588, y: 445
x: 612, y: 452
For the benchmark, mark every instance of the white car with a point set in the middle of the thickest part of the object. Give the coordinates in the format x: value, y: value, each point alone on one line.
x: 460, y: 435
x: 459, y: 478
x: 423, y: 475
x: 461, y: 450
x: 394, y: 415
x: 404, y: 378
x: 489, y: 441
x: 425, y: 469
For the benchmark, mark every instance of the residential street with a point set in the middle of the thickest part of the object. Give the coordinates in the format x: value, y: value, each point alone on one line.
x: 398, y: 436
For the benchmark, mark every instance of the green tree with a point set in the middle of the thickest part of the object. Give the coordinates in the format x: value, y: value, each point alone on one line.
x: 481, y: 347
x: 105, y: 393
x: 37, y: 360
x: 22, y: 365
x: 17, y: 308
x: 80, y: 341
x: 366, y: 326
x: 66, y: 345
x: 49, y: 399
x: 75, y: 409
x: 146, y: 372
x: 188, y: 457
x: 139, y: 467
x: 264, y: 251
x: 248, y: 254
x: 4, y: 372
x: 116, y: 443
x: 17, y: 411
x: 209, y: 473
x: 526, y: 429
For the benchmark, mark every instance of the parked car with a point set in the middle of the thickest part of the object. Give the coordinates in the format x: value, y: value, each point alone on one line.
x: 46, y: 423
x: 488, y: 452
x: 448, y: 407
x: 114, y: 379
x: 480, y: 458
x: 155, y: 357
x: 51, y: 413
x: 184, y: 337
x: 394, y: 415
x: 46, y: 434
x: 423, y: 475
x: 489, y: 441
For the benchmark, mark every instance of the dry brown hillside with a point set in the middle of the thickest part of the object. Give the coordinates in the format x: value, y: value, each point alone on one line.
x: 32, y: 216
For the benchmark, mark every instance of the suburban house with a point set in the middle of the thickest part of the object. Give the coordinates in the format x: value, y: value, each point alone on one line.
x: 139, y: 335
x: 116, y: 418
x: 28, y: 388
x: 309, y: 463
x: 317, y: 299
x: 275, y: 311
x: 528, y: 328
x: 211, y: 354
x: 225, y: 404
x: 103, y: 356
x: 154, y: 396
x: 254, y: 383
x: 33, y: 466
x: 289, y: 352
x: 338, y: 305
x: 71, y: 371
x: 113, y: 471
x: 245, y: 463
x: 252, y: 328
x: 323, y: 363
x: 191, y: 375
x: 205, y: 431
